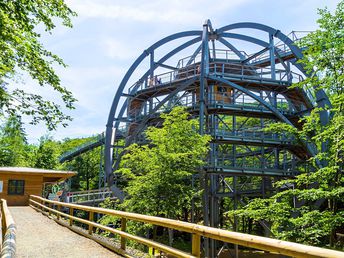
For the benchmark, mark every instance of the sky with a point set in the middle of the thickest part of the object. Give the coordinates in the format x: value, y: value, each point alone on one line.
x: 108, y: 35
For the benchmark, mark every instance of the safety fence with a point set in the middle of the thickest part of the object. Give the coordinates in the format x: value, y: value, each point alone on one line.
x: 237, y: 71
x: 89, y: 196
x: 8, y: 232
x: 197, y: 231
x: 91, y: 144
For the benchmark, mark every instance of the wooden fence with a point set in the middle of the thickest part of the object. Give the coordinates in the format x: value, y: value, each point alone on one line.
x: 196, y: 231
x: 8, y: 232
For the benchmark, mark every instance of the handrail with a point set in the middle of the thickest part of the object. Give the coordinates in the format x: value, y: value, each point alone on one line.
x: 89, y: 196
x: 226, y: 53
x: 8, y: 248
x: 215, y: 100
x: 197, y: 231
x: 224, y: 68
x: 95, y: 139
x: 257, y: 133
x: 88, y: 191
x: 94, y: 142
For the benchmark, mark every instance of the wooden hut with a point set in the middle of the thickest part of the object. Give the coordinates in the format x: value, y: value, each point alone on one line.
x: 18, y: 183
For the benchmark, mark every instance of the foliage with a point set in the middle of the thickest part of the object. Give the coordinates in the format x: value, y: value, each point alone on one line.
x: 47, y: 153
x: 22, y: 51
x: 108, y: 220
x: 160, y: 173
x: 86, y: 164
x: 309, y: 209
x: 14, y: 150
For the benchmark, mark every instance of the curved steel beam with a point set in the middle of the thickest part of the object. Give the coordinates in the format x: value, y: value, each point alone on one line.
x: 261, y: 101
x: 231, y: 47
x: 137, y: 63
x: 252, y: 95
x: 146, y: 74
x: 172, y: 53
x: 322, y: 99
x: 222, y: 32
x: 245, y: 38
x: 209, y: 25
x: 108, y: 138
x: 258, y: 26
x: 125, y: 104
x: 142, y: 124
x: 192, y: 58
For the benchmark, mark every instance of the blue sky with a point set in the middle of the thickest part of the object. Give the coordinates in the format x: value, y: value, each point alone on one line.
x: 108, y: 35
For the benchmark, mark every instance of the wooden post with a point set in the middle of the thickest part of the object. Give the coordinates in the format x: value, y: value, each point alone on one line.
x: 196, y: 245
x: 3, y: 222
x: 90, y: 218
x: 58, y: 209
x: 71, y: 212
x: 123, y: 228
x: 50, y: 206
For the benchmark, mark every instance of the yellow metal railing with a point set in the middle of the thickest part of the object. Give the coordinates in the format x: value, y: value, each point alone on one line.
x: 197, y: 231
x: 8, y: 230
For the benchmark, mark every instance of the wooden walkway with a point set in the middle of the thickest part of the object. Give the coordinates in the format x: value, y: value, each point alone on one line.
x: 41, y: 237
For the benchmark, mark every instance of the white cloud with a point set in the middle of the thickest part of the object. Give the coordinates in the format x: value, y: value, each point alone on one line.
x: 94, y: 88
x: 109, y: 34
x: 78, y: 128
x: 117, y: 49
x: 167, y: 11
x: 91, y: 84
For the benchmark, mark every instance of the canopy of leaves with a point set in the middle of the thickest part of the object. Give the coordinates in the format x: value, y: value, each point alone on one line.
x: 16, y: 152
x: 21, y: 51
x: 160, y: 173
x: 14, y: 149
x: 310, y: 208
x: 87, y: 164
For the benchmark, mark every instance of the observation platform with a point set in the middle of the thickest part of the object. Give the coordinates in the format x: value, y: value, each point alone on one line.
x: 252, y: 170
x: 248, y: 75
x: 248, y: 87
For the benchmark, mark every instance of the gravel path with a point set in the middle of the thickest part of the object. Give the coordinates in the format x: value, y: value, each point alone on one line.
x: 41, y: 237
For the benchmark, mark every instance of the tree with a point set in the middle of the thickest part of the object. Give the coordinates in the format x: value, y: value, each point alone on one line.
x: 159, y: 173
x: 14, y: 150
x: 22, y: 51
x: 312, y: 209
x: 86, y: 164
x: 48, y: 153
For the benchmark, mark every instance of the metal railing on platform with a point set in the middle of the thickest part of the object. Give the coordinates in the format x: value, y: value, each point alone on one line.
x: 197, y: 232
x: 251, y: 134
x: 96, y: 139
x: 8, y: 230
x: 244, y: 103
x: 95, y: 142
x: 89, y: 196
x: 224, y: 69
x: 224, y: 54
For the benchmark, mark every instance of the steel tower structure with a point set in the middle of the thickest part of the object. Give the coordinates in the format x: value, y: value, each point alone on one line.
x: 236, y: 80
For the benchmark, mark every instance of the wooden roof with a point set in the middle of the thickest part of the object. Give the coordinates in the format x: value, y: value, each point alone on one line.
x: 46, y: 173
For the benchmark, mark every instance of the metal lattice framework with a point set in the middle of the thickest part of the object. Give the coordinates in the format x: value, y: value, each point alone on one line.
x: 234, y: 94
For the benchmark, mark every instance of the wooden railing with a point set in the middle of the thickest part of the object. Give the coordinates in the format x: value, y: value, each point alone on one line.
x: 8, y: 230
x: 197, y: 231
